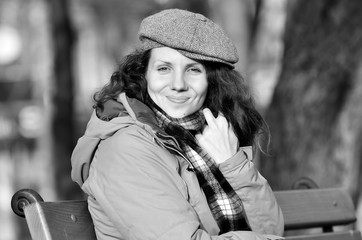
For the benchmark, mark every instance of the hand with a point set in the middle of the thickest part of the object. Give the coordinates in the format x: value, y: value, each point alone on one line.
x: 218, y: 138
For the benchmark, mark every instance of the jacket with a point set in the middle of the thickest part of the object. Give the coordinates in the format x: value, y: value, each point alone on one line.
x: 141, y: 186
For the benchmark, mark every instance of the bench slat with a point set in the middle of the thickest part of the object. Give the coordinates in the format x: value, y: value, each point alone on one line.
x: 69, y: 220
x: 315, y: 208
x: 350, y: 235
x: 308, y: 208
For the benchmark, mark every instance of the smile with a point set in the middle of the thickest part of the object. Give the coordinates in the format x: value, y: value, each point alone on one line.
x: 177, y: 99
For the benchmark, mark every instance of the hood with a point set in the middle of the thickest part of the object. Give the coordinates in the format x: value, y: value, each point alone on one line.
x: 103, y: 124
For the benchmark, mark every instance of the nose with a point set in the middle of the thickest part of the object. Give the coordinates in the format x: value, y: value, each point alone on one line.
x: 178, y: 82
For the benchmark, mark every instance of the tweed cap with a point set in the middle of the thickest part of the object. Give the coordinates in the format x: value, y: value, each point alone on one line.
x: 192, y: 34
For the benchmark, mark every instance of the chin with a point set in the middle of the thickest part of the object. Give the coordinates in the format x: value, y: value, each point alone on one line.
x: 177, y: 115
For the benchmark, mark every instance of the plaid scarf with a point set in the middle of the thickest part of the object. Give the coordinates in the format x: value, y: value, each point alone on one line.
x: 225, y: 204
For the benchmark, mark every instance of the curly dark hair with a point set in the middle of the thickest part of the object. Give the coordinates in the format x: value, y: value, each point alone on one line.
x: 228, y: 93
x: 129, y: 78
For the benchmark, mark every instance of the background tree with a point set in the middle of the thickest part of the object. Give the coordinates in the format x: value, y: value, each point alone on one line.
x: 315, y: 114
x: 239, y: 19
x: 62, y: 129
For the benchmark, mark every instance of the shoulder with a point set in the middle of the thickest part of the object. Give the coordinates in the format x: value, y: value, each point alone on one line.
x: 132, y: 148
x: 130, y: 139
x: 132, y: 133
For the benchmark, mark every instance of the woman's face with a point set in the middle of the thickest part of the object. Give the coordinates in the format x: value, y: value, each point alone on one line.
x: 177, y: 84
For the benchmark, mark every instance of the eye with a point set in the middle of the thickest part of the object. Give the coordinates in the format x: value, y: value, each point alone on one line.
x: 194, y: 70
x: 163, y: 69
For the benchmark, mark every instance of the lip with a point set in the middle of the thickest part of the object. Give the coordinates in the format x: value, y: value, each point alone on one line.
x: 177, y: 99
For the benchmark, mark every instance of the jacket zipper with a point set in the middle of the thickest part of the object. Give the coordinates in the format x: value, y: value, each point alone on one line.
x: 173, y: 149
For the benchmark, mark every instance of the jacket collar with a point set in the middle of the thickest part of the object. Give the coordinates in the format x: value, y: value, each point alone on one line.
x: 143, y: 115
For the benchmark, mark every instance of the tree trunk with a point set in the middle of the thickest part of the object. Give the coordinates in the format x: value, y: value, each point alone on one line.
x: 62, y: 97
x: 239, y: 19
x: 315, y: 114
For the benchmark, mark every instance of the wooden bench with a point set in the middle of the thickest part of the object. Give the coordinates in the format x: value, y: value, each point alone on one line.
x: 302, y: 209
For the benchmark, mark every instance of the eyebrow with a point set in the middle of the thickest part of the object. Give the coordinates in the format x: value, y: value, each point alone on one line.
x: 163, y: 62
x: 193, y: 64
x: 170, y: 63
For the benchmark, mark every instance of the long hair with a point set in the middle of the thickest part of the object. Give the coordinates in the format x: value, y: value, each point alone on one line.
x: 129, y: 78
x: 228, y: 92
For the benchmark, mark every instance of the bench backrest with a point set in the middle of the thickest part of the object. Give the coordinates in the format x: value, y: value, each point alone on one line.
x: 307, y: 208
x: 60, y: 220
x: 68, y: 220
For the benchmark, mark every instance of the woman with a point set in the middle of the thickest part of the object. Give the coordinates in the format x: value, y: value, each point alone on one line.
x: 166, y: 151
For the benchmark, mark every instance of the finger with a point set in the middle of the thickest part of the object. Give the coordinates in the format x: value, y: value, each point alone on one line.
x: 221, y: 120
x: 199, y: 138
x: 198, y: 135
x: 209, y: 117
x: 221, y: 117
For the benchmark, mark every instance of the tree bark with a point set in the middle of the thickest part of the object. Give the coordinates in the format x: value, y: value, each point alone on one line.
x: 239, y: 19
x: 62, y: 97
x: 315, y: 114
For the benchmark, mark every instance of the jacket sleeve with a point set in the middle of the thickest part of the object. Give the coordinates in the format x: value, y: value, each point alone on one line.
x: 261, y: 208
x: 135, y: 184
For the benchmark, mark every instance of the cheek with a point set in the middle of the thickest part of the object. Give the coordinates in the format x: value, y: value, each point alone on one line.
x: 152, y: 83
x: 203, y: 98
x: 202, y: 89
x: 156, y: 81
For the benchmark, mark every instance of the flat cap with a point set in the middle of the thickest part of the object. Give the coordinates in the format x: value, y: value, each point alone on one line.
x: 192, y: 34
